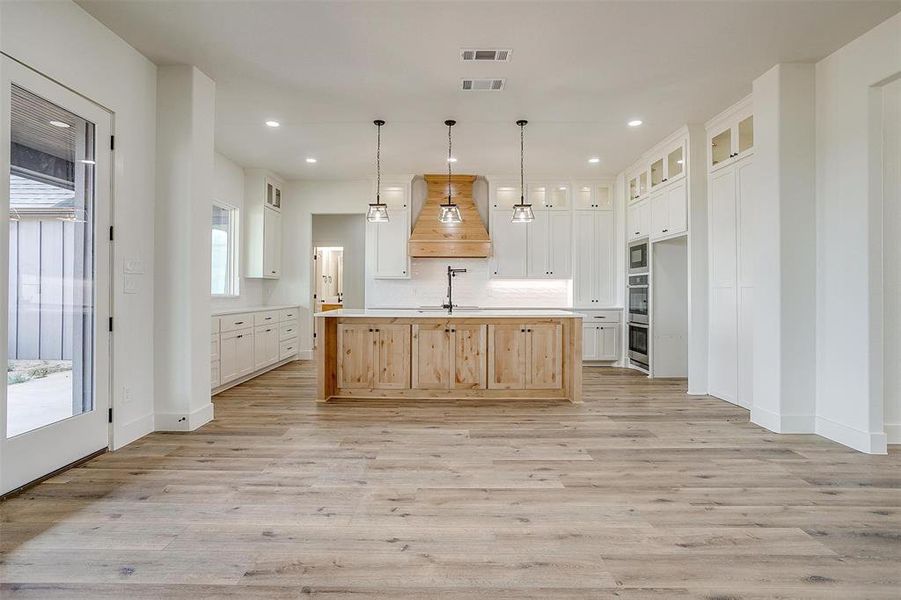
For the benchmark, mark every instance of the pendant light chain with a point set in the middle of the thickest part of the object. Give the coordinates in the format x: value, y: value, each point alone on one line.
x: 522, y: 151
x: 449, y: 148
x: 378, y: 164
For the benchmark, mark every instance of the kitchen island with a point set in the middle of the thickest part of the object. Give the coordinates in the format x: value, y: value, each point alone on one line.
x: 495, y: 354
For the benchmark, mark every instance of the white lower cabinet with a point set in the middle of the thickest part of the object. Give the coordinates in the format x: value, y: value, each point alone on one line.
x: 599, y: 342
x: 236, y: 354
x: 238, y: 349
x: 265, y: 345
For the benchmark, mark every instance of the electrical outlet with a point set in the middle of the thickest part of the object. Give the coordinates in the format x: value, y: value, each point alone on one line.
x: 126, y: 394
x: 129, y: 284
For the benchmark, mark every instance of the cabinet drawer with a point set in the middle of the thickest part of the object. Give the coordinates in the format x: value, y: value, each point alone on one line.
x: 601, y: 316
x: 233, y: 322
x: 288, y: 330
x: 265, y: 318
x: 287, y: 349
x: 214, y: 347
x: 214, y: 324
x: 214, y: 374
x: 287, y: 314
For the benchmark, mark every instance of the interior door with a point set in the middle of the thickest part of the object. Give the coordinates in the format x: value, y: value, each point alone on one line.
x: 56, y: 181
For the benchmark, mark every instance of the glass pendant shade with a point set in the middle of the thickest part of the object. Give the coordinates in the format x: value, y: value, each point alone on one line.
x: 522, y: 213
x: 377, y: 213
x: 450, y: 213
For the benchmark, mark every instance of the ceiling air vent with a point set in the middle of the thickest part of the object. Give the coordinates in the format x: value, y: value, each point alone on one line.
x: 482, y: 85
x: 486, y: 54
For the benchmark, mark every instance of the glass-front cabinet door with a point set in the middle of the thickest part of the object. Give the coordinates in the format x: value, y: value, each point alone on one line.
x: 593, y: 196
x: 675, y: 163
x: 537, y: 196
x: 657, y: 176
x: 633, y: 188
x: 643, y: 183
x: 721, y: 147
x: 746, y: 134
x: 505, y: 196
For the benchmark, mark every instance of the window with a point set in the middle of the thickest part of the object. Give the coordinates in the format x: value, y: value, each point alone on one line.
x: 225, y: 251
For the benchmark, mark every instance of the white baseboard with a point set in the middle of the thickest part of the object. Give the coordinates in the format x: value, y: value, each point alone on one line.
x: 864, y: 441
x: 128, y: 432
x: 893, y: 433
x: 782, y: 423
x: 241, y: 380
x: 183, y: 422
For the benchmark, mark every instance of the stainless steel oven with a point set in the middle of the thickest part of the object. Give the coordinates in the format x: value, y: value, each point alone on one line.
x: 638, y: 257
x: 638, y: 344
x: 638, y: 298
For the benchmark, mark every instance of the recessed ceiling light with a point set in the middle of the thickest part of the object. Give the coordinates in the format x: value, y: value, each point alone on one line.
x: 311, y: 160
x: 635, y: 123
x: 452, y: 159
x: 272, y: 123
x: 60, y: 124
x: 594, y: 160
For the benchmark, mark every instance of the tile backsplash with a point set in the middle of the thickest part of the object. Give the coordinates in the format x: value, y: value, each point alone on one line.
x: 427, y: 286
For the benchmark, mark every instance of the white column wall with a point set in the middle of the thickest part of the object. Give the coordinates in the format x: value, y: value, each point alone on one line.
x: 185, y: 136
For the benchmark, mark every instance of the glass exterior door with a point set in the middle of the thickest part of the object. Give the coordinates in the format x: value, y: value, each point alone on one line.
x: 57, y: 185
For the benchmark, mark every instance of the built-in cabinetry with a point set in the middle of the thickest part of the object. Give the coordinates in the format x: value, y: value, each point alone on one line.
x: 730, y: 223
x: 387, y: 243
x: 373, y: 356
x: 249, y: 343
x: 262, y: 225
x: 541, y: 249
x: 525, y: 356
x: 601, y: 332
x: 594, y: 252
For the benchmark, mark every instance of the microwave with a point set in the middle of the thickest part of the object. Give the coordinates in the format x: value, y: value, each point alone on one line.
x: 638, y: 257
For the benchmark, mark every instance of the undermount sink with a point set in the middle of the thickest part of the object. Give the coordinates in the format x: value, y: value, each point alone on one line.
x: 429, y: 309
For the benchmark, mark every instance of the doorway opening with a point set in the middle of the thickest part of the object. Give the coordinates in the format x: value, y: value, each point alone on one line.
x: 329, y: 278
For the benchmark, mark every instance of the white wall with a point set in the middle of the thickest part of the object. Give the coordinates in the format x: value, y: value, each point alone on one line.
x: 184, y: 169
x: 228, y: 188
x: 891, y: 187
x: 784, y: 273
x: 64, y: 43
x: 849, y: 292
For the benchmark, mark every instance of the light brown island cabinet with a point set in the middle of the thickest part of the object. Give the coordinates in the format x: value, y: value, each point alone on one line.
x: 470, y: 354
x: 449, y: 356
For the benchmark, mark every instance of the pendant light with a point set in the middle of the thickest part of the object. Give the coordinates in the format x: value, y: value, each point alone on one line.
x: 522, y: 212
x: 450, y: 212
x: 378, y: 212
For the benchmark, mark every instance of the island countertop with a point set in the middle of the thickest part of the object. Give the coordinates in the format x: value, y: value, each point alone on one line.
x: 428, y: 313
x: 529, y: 354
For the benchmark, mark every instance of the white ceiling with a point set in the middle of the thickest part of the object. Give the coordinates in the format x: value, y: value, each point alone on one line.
x: 578, y: 73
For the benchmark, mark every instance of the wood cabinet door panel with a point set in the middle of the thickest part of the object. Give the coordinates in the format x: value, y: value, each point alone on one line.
x: 355, y: 356
x: 506, y: 357
x: 544, y: 356
x: 470, y: 366
x: 431, y: 357
x: 392, y: 350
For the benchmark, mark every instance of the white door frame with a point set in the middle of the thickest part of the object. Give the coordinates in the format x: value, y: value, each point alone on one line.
x: 34, y: 454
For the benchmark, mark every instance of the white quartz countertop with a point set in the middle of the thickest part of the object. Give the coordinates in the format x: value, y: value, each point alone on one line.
x: 250, y: 309
x: 413, y: 313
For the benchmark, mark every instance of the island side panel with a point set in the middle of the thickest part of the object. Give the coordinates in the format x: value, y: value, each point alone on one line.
x: 326, y: 358
x: 574, y: 355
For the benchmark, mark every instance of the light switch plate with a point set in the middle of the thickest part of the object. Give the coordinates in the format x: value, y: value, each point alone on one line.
x: 130, y: 284
x: 134, y: 265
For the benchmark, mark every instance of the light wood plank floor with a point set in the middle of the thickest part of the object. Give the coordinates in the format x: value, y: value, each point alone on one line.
x: 642, y: 492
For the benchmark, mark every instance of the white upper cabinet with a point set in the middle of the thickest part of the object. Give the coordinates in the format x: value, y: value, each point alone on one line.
x: 549, y: 242
x: 638, y: 220
x: 594, y: 240
x: 508, y: 245
x: 669, y: 216
x: 262, y: 225
x: 732, y: 137
x: 388, y: 242
x: 593, y: 196
x: 504, y: 196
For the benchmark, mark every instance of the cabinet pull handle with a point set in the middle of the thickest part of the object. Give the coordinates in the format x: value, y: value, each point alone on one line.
x: 447, y: 331
x: 522, y: 330
x: 238, y: 336
x: 267, y: 319
x: 665, y: 230
x: 239, y: 322
x: 529, y: 330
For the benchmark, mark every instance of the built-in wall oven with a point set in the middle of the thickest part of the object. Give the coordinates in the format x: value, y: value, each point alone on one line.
x: 638, y: 257
x: 638, y: 344
x: 638, y: 298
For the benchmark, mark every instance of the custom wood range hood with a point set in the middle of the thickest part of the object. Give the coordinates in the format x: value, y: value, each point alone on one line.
x: 434, y: 239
